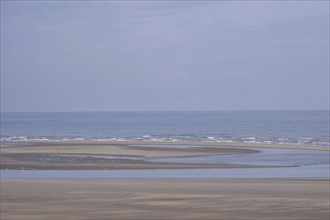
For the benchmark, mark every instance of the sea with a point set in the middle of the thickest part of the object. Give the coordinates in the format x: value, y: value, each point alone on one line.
x: 277, y: 127
x: 272, y: 127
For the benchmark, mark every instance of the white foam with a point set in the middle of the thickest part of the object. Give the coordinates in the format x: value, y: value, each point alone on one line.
x: 251, y: 141
x: 280, y: 140
x: 249, y: 138
x: 225, y: 141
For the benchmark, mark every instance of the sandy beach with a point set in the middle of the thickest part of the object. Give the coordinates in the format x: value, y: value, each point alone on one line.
x: 120, y: 155
x: 150, y: 198
x: 164, y: 199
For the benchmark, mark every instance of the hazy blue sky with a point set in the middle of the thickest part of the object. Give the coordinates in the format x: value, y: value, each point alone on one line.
x: 109, y: 56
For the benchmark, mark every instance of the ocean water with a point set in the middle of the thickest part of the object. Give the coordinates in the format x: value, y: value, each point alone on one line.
x: 283, y: 127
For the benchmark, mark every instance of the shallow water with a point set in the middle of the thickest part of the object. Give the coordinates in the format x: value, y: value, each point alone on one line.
x: 267, y: 157
x: 316, y: 171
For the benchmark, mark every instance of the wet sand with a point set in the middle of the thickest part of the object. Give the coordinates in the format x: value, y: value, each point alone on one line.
x: 95, y: 155
x: 164, y: 199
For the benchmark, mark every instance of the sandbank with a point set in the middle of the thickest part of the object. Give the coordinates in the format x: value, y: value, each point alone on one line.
x: 91, y: 155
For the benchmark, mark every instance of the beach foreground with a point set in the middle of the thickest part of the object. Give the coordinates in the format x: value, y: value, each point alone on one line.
x: 164, y: 199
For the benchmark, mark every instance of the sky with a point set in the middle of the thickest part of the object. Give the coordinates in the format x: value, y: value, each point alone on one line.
x: 165, y: 55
